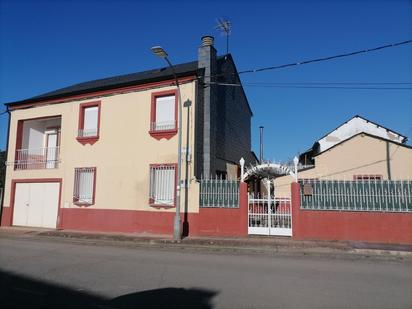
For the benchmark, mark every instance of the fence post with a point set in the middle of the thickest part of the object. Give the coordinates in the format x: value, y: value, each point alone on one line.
x: 243, y: 208
x: 295, y: 203
x: 269, y: 214
x: 242, y: 169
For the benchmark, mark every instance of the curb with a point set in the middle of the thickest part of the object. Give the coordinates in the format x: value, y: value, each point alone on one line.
x: 254, y: 245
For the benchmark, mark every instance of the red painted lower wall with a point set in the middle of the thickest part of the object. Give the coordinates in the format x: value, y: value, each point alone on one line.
x: 208, y: 222
x: 6, y: 216
x: 378, y: 227
x: 111, y: 220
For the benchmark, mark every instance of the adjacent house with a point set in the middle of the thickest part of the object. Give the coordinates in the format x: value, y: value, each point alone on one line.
x: 359, y: 149
x: 102, y: 155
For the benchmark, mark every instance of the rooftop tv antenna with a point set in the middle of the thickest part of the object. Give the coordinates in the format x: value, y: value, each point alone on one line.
x: 225, y: 27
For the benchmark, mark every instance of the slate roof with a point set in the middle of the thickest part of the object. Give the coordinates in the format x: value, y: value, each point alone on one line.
x: 184, y: 69
x: 160, y: 74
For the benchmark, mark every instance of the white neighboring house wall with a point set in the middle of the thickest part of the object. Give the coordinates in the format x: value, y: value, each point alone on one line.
x: 354, y: 126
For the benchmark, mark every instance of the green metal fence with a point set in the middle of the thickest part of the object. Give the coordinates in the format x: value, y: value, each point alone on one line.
x: 373, y: 195
x: 221, y: 193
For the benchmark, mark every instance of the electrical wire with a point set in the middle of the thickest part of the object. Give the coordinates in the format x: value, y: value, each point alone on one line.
x: 307, y: 87
x: 282, y: 66
x: 328, y: 58
x: 330, y: 83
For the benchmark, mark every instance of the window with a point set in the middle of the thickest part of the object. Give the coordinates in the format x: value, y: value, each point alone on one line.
x: 89, y: 122
x: 52, y: 147
x: 84, y: 185
x: 163, y: 114
x: 162, y: 185
x: 367, y: 177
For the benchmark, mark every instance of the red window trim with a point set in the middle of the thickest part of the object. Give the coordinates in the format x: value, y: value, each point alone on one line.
x: 19, y: 140
x: 168, y: 134
x: 367, y: 177
x: 151, y: 201
x: 89, y: 139
x: 75, y: 202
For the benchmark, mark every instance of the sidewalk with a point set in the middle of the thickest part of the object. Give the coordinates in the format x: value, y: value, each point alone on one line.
x: 250, y: 245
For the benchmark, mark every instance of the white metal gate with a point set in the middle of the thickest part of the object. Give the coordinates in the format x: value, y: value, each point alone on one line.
x: 270, y: 215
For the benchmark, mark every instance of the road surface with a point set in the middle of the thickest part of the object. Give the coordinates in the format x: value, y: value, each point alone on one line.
x: 38, y: 272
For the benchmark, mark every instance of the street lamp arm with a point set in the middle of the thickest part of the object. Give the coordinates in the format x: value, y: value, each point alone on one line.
x: 173, y: 71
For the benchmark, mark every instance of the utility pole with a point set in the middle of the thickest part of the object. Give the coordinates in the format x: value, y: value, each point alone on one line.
x: 261, y: 145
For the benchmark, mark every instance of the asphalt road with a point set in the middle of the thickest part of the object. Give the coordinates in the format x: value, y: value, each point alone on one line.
x: 48, y: 273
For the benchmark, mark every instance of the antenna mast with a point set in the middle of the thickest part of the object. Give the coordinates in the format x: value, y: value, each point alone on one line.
x: 225, y: 27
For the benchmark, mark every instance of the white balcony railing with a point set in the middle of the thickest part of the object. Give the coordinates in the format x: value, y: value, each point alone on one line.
x: 87, y: 132
x: 37, y: 158
x: 163, y: 126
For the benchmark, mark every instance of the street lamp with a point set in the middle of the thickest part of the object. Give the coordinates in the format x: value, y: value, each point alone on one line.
x: 160, y: 52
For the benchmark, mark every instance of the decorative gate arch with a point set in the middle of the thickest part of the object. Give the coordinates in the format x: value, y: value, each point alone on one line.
x: 269, y: 214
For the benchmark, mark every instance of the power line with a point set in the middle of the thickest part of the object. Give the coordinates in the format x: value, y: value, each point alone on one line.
x: 282, y: 66
x: 330, y: 83
x: 396, y: 149
x: 308, y: 87
x: 328, y: 58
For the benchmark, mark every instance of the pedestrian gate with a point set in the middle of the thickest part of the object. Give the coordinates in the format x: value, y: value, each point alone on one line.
x: 269, y: 215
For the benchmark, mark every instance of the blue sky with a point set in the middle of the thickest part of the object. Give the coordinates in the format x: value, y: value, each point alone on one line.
x: 45, y: 45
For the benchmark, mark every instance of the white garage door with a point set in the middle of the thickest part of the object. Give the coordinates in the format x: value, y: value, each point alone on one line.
x: 36, y: 204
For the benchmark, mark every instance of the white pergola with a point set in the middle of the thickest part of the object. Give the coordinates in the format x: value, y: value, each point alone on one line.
x: 268, y: 170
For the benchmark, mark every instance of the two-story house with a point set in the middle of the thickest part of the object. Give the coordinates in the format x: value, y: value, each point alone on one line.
x: 102, y: 155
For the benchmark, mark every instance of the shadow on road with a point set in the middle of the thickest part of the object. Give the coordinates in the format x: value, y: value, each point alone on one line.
x: 21, y: 292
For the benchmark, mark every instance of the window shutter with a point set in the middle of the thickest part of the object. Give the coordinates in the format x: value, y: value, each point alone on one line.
x: 90, y: 121
x: 165, y: 113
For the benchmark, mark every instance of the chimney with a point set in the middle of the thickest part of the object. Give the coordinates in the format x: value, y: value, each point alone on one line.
x: 207, y: 55
x: 207, y: 61
x: 207, y: 40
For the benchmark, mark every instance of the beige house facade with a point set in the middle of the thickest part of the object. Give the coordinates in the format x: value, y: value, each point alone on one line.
x: 103, y: 155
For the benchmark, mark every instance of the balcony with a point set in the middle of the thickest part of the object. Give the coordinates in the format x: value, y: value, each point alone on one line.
x: 86, y: 133
x: 163, y: 129
x: 37, y: 144
x: 37, y: 158
x: 163, y: 126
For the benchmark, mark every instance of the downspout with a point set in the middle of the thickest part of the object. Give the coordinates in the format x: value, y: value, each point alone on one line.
x: 7, y: 158
x: 388, y: 161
